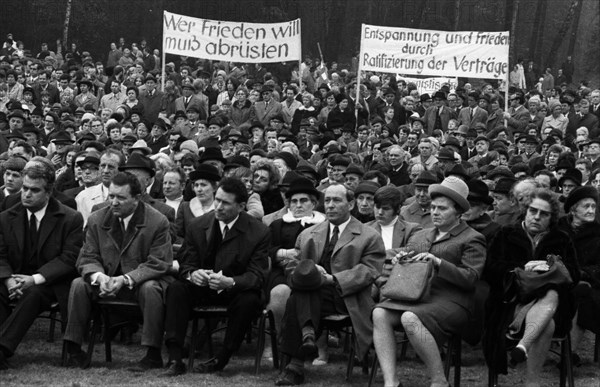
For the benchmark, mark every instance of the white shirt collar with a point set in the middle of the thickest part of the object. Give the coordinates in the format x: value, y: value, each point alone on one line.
x: 229, y: 225
x: 340, y: 227
x: 39, y: 215
x: 126, y: 220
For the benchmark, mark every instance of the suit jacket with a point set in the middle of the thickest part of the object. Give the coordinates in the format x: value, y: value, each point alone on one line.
x: 52, y: 91
x: 402, y: 231
x: 152, y: 105
x: 265, y: 113
x: 146, y: 252
x: 413, y: 213
x: 479, y: 116
x: 356, y: 263
x: 60, y: 238
x: 518, y: 119
x: 431, y: 115
x: 194, y: 101
x: 242, y: 254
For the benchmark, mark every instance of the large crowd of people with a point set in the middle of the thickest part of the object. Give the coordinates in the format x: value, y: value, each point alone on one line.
x: 273, y: 186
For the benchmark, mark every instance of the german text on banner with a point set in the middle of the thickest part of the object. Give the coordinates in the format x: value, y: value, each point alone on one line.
x: 442, y: 53
x: 231, y: 41
x: 430, y: 85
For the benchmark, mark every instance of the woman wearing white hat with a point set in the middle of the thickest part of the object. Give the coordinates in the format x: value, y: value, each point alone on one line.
x: 458, y: 253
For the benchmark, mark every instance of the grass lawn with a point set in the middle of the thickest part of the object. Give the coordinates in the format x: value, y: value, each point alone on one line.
x: 37, y: 364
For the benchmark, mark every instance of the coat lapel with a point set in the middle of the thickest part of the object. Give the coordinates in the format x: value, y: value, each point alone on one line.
x: 137, y: 222
x: 319, y: 236
x: 347, y: 235
x: 398, y: 232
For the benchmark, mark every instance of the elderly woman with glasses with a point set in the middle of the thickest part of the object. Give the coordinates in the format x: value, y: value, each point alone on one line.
x: 525, y: 326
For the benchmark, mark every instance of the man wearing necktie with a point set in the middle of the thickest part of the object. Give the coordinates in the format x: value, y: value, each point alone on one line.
x: 347, y: 257
x: 224, y: 262
x: 39, y: 242
x: 126, y: 256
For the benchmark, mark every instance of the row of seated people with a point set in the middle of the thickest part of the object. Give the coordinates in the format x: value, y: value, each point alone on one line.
x: 305, y: 265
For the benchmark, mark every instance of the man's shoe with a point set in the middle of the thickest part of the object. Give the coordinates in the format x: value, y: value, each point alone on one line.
x: 175, y: 369
x: 147, y: 363
x: 309, y: 347
x: 77, y: 359
x: 517, y: 355
x: 289, y: 378
x: 210, y: 366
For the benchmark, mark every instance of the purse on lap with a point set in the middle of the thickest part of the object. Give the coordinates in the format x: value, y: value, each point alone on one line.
x: 529, y: 285
x: 409, y: 281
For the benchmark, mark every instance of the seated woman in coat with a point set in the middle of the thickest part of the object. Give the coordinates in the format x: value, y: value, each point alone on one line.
x: 458, y: 254
x: 529, y: 324
x: 582, y: 226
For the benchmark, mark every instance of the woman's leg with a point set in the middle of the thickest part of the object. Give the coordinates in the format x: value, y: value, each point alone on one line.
x: 539, y: 328
x: 277, y: 301
x: 425, y: 346
x: 385, y: 343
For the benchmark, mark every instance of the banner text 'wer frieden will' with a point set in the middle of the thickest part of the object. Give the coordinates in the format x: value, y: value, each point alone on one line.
x: 427, y: 52
x: 231, y: 41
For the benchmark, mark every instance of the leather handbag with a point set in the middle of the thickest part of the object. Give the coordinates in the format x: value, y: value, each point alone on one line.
x: 529, y: 285
x: 409, y: 281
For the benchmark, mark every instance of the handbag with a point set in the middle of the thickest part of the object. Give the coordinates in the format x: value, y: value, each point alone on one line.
x: 532, y: 284
x: 409, y: 281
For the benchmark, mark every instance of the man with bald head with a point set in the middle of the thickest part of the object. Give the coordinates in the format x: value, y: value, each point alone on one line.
x: 344, y: 257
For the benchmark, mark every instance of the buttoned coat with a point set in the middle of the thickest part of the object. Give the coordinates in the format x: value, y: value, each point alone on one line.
x: 356, y: 263
x: 242, y: 254
x: 145, y: 254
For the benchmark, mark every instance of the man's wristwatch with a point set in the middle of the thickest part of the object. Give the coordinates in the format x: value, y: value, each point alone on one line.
x: 233, y: 284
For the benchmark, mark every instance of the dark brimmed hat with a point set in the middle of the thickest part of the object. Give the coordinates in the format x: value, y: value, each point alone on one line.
x: 580, y: 193
x: 180, y: 114
x: 369, y: 187
x: 425, y: 179
x: 62, y: 138
x: 85, y: 82
x: 212, y: 154
x: 482, y: 138
x: 439, y: 94
x: 289, y: 159
x: 453, y: 188
x: 139, y: 161
x: 306, y: 276
x: 302, y: 185
x: 572, y: 174
x: 500, y: 171
x: 205, y: 172
x: 354, y: 169
x: 89, y: 159
x: 305, y: 167
x: 479, y: 192
x: 504, y: 185
x: 460, y: 171
x: 446, y: 154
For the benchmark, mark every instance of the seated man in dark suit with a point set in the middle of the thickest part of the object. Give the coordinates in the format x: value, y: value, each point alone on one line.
x: 39, y: 242
x: 126, y: 256
x: 224, y: 263
x: 338, y: 262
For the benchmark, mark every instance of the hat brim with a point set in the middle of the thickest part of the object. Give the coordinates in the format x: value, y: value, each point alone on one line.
x: 438, y: 189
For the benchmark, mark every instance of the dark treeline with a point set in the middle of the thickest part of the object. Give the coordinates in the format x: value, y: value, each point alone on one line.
x: 545, y: 31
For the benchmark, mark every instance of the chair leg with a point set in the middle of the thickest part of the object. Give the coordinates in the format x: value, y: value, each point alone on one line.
x: 374, y: 365
x: 569, y: 362
x: 52, y: 326
x: 404, y: 347
x: 351, y: 355
x: 107, y: 339
x: 448, y: 359
x: 596, y: 348
x: 63, y: 354
x: 96, y: 326
x: 260, y: 345
x: 274, y: 343
x: 209, y: 329
x: 457, y: 361
x: 193, y: 343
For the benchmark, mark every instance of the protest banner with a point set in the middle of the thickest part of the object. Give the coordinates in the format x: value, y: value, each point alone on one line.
x: 430, y: 85
x: 231, y: 41
x: 427, y: 52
